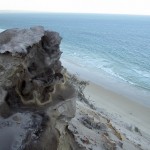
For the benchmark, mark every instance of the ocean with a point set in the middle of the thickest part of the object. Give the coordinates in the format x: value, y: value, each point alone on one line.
x: 117, y: 46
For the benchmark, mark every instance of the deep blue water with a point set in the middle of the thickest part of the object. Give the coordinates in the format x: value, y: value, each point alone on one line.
x: 116, y: 44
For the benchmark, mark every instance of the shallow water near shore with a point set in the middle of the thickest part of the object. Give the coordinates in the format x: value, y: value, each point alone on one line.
x: 108, y: 82
x: 112, y: 48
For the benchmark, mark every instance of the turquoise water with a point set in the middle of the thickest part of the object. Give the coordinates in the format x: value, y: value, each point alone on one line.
x: 116, y: 44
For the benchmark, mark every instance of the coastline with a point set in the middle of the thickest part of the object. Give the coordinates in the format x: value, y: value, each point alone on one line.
x: 126, y: 113
x: 109, y: 82
x: 116, y: 120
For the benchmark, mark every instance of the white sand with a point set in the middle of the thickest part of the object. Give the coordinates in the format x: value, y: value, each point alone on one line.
x: 129, y: 110
x: 124, y: 110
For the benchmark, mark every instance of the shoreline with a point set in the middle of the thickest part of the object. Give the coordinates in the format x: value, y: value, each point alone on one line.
x: 109, y: 82
x: 118, y: 107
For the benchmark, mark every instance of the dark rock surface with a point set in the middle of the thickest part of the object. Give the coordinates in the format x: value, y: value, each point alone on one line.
x: 36, y: 99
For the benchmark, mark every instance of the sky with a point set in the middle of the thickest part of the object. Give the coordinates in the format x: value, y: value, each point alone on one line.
x: 134, y: 7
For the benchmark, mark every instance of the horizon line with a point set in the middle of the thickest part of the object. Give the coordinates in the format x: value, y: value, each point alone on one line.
x: 30, y: 11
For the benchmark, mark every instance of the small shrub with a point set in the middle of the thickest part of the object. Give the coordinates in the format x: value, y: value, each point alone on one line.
x: 80, y: 86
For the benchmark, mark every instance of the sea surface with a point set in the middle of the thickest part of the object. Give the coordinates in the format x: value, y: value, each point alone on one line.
x: 116, y: 45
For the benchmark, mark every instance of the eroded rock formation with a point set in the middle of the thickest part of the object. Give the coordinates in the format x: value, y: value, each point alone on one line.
x: 38, y: 99
x: 33, y: 83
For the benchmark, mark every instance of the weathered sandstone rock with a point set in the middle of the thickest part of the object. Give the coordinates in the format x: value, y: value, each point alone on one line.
x: 33, y: 83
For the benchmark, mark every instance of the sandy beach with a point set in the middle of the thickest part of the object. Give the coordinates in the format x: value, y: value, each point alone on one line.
x: 125, y: 112
x: 130, y: 111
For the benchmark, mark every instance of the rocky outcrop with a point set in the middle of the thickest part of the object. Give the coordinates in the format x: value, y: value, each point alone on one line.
x: 38, y: 108
x: 36, y: 99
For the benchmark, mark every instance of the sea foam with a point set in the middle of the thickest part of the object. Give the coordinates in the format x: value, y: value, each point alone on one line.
x: 1, y: 30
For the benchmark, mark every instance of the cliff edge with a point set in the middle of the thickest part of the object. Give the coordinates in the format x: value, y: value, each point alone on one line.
x: 36, y: 99
x: 38, y: 107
